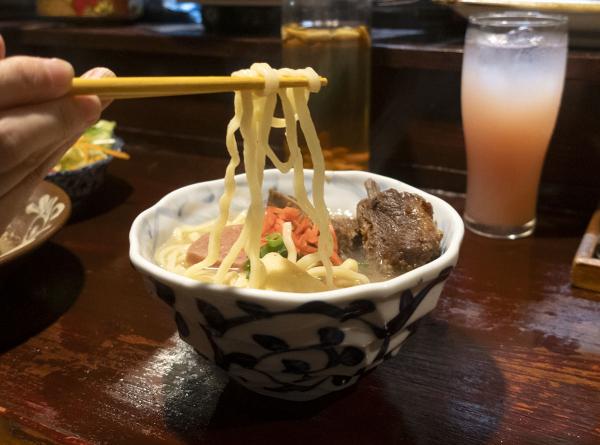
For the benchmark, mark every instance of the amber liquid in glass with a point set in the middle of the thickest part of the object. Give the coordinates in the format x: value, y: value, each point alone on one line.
x: 341, y: 109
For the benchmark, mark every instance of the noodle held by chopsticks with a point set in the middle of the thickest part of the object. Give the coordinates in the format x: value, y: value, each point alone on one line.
x: 254, y: 117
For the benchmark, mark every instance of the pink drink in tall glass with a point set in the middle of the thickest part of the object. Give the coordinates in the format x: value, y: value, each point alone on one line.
x: 512, y: 83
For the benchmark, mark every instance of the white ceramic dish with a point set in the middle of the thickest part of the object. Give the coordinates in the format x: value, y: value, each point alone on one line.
x: 583, y: 15
x: 290, y: 345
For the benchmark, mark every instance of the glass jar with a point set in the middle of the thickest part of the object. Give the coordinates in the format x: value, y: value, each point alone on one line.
x: 333, y: 37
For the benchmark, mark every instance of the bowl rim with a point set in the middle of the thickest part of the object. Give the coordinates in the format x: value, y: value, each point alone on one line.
x: 404, y: 281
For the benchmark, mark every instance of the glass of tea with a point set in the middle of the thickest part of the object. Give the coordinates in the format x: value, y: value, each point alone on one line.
x: 333, y: 37
x: 512, y: 81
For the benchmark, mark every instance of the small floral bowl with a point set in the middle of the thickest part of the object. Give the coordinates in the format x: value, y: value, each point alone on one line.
x: 82, y: 182
x: 290, y: 345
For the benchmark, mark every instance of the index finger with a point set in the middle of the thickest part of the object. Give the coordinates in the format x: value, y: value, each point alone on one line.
x: 29, y: 80
x: 2, y: 48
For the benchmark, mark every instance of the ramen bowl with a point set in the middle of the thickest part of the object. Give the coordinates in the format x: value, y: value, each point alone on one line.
x: 295, y: 346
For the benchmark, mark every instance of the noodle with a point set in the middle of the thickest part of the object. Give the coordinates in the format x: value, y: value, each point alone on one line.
x: 289, y: 242
x: 254, y: 118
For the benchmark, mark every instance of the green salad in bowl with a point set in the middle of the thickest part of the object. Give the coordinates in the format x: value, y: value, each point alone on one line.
x: 82, y: 168
x: 94, y: 145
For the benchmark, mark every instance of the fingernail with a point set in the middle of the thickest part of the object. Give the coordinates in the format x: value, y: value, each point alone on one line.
x: 98, y: 73
x: 60, y: 71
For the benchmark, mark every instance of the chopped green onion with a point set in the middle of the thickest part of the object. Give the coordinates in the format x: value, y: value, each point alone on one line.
x: 274, y: 244
x: 274, y: 240
x: 264, y: 250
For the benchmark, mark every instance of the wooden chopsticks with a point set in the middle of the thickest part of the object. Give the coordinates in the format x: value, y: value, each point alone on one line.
x: 140, y: 87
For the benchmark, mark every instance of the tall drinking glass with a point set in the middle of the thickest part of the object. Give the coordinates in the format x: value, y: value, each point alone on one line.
x: 512, y: 80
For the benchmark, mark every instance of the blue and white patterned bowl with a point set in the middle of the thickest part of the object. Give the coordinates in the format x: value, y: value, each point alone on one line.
x: 290, y: 345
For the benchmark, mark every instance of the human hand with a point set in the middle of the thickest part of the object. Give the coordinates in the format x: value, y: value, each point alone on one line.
x: 39, y: 121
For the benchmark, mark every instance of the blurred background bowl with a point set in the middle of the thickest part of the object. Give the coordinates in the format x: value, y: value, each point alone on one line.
x: 82, y: 182
x: 90, y: 10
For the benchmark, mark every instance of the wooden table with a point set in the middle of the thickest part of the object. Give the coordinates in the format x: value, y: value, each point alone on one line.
x: 511, y: 355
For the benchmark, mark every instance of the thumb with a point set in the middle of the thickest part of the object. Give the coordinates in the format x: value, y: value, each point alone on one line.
x: 99, y: 73
x: 2, y: 48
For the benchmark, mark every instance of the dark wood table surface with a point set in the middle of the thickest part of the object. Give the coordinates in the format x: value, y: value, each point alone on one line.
x: 510, y: 355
